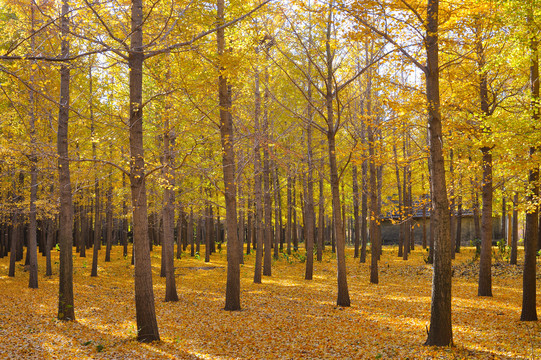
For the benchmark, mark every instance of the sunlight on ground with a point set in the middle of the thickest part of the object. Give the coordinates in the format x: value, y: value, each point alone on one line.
x: 286, y: 317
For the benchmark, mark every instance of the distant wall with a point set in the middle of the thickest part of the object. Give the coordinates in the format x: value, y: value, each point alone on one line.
x: 390, y: 231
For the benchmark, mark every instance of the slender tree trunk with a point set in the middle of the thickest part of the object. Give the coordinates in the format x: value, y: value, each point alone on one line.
x: 476, y: 224
x: 168, y: 213
x: 357, y: 223
x: 514, y: 234
x: 440, y: 332
x: 267, y: 260
x: 406, y: 222
x: 374, y: 215
x: 343, y: 293
x: 374, y: 208
x: 310, y: 220
x: 424, y: 242
x: 109, y: 221
x: 259, y: 217
x: 85, y: 229
x: 400, y: 207
x: 32, y: 226
x: 458, y: 233
x: 364, y: 199
x: 289, y: 231
x: 190, y: 233
x: 15, y: 239
x: 65, y: 290
x: 97, y: 228
x: 529, y: 310
x: 232, y: 292
x: 485, y: 263
x: 277, y: 220
x: 50, y: 224
x: 295, y: 234
x: 240, y: 222
x: 452, y: 202
x: 97, y: 220
x: 504, y: 216
x: 124, y: 220
x: 147, y: 326
x: 321, y: 220
x: 249, y: 227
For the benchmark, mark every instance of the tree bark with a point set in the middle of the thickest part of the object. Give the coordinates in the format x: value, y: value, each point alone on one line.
x: 168, y: 214
x: 32, y: 226
x: 529, y: 310
x: 267, y: 260
x: 147, y: 326
x: 485, y: 263
x: 321, y: 220
x: 343, y: 293
x: 259, y: 217
x: 357, y: 223
x: 232, y: 292
x: 65, y: 290
x: 440, y: 332
x: 514, y: 235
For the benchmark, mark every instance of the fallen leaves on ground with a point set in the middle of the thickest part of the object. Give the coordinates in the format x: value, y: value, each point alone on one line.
x: 286, y: 317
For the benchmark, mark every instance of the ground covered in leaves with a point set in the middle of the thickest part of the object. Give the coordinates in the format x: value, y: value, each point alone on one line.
x: 286, y: 317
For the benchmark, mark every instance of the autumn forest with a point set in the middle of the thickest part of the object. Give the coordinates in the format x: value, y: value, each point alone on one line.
x: 264, y: 179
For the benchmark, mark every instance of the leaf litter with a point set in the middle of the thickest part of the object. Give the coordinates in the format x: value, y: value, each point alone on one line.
x: 286, y: 317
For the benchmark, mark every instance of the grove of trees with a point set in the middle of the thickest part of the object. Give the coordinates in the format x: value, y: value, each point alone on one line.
x: 279, y: 126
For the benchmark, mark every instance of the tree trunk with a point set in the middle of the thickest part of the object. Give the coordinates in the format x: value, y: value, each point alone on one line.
x: 514, y: 235
x: 32, y: 226
x: 374, y: 215
x: 109, y: 222
x: 485, y: 263
x: 529, y: 310
x: 400, y: 207
x: 440, y: 332
x: 259, y: 218
x: 277, y: 204
x: 96, y: 217
x: 65, y: 290
x: 310, y: 219
x: 458, y: 233
x: 97, y: 228
x: 357, y: 223
x: 295, y: 233
x: 249, y: 227
x: 124, y: 235
x: 343, y: 293
x: 147, y: 326
x: 321, y: 220
x: 168, y: 214
x: 289, y: 231
x: 50, y: 224
x: 85, y: 229
x: 267, y: 260
x: 232, y: 291
x: 476, y: 224
x: 406, y: 222
x: 190, y: 233
x: 364, y: 199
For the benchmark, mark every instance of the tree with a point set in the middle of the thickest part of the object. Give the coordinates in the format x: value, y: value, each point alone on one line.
x: 529, y: 310
x: 232, y: 292
x: 440, y: 332
x: 65, y: 291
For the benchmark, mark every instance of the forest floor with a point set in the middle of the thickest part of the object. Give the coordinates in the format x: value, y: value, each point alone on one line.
x: 286, y: 317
